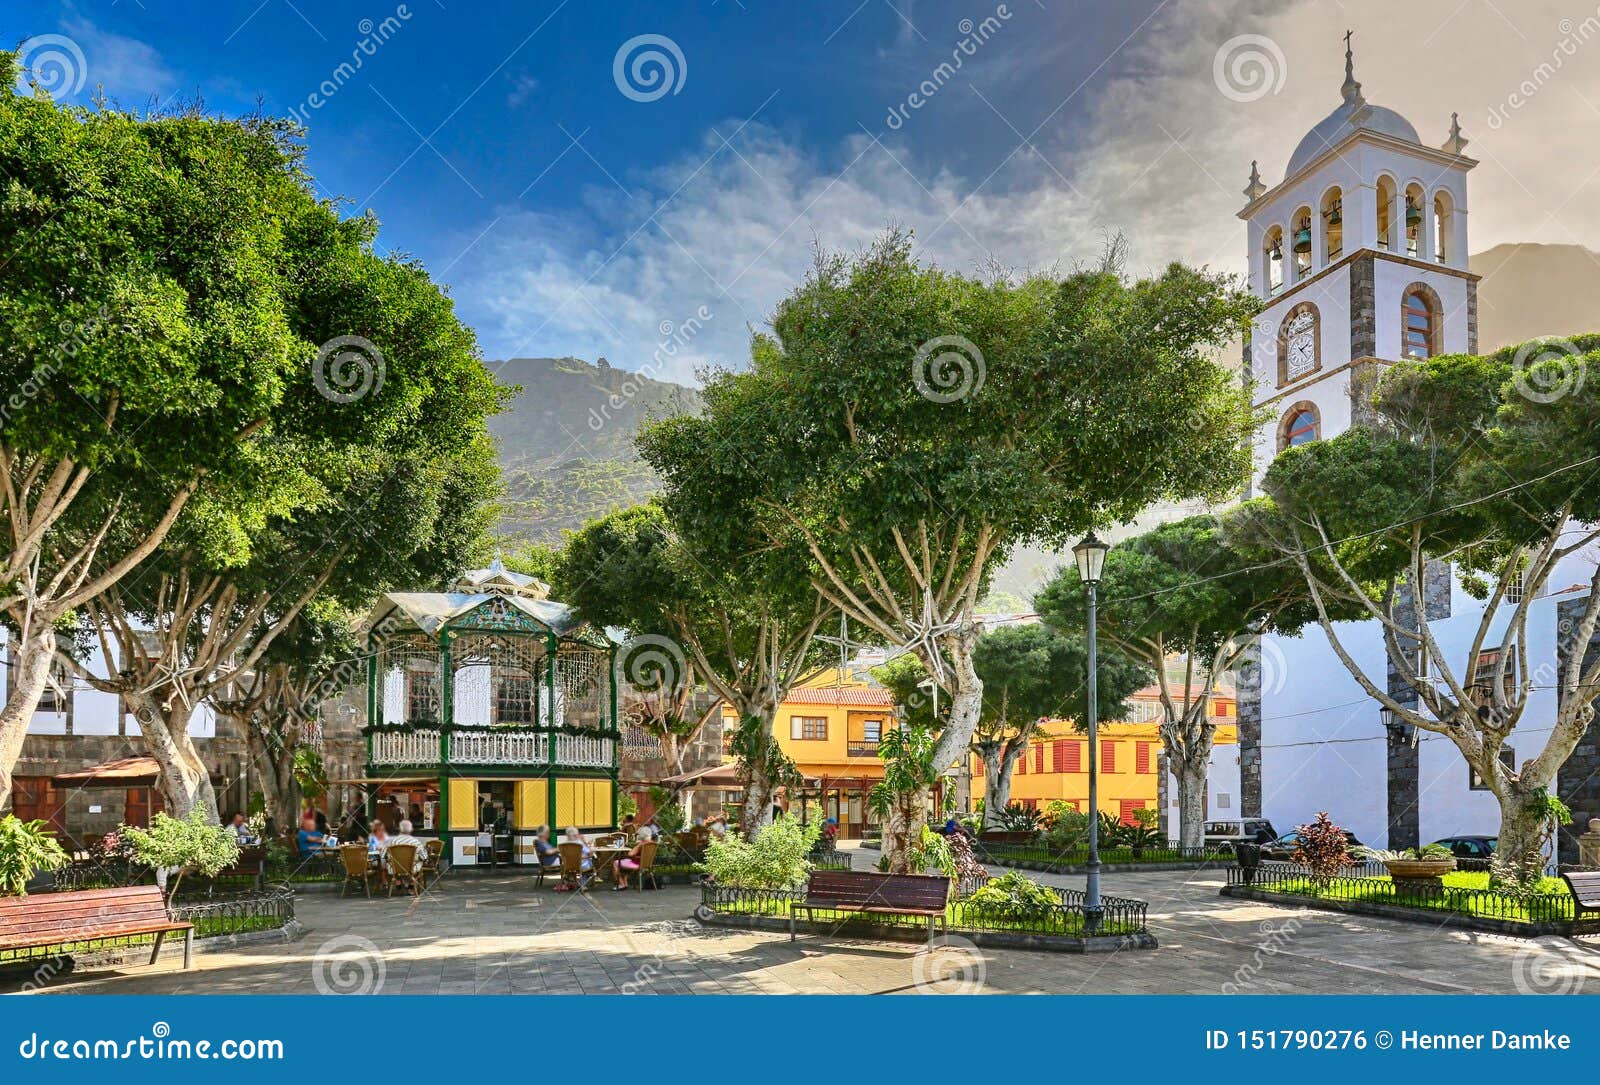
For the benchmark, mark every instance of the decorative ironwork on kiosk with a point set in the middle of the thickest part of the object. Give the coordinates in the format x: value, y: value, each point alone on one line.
x: 491, y: 710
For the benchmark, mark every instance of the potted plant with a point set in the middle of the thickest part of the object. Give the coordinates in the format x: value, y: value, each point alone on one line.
x: 1419, y: 868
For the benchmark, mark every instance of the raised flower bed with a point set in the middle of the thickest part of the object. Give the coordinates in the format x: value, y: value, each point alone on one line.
x: 1461, y: 899
x: 1039, y: 855
x: 1059, y: 926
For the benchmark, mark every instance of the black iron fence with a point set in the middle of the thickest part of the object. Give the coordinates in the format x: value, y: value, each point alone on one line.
x: 1066, y: 917
x: 236, y: 913
x: 1369, y: 882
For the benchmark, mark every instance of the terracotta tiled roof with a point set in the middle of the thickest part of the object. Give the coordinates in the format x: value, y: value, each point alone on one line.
x: 868, y: 696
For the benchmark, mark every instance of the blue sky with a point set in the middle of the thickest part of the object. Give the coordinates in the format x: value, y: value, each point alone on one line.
x: 570, y: 214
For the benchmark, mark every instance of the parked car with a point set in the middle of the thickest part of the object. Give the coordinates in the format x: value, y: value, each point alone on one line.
x: 1242, y: 831
x: 1284, y: 847
x: 1471, y: 852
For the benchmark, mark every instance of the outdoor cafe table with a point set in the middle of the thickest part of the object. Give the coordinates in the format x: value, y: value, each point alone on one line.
x: 606, y: 856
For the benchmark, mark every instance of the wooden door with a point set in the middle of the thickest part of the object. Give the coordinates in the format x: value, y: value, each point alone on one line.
x: 36, y: 798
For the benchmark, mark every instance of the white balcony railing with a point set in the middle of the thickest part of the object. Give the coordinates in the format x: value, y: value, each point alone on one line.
x: 584, y: 750
x: 489, y: 748
x: 405, y: 747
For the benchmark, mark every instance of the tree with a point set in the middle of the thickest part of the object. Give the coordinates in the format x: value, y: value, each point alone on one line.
x: 1180, y: 592
x: 906, y: 427
x: 1475, y: 464
x: 145, y: 341
x: 738, y: 623
x: 1031, y: 674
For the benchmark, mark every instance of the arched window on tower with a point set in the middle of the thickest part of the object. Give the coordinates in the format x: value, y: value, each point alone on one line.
x: 1419, y: 324
x: 1386, y: 198
x: 1333, y: 225
x: 1272, y: 260
x: 1300, y: 426
x: 1441, y: 227
x: 1412, y: 224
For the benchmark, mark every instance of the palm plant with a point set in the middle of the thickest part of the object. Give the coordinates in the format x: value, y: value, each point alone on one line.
x: 26, y: 848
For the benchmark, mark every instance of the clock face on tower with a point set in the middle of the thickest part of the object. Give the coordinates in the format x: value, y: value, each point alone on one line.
x: 1300, y: 345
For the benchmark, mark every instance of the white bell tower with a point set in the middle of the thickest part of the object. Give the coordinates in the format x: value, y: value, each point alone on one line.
x: 1360, y: 253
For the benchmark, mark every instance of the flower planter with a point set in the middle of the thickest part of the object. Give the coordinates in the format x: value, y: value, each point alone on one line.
x: 1419, y: 877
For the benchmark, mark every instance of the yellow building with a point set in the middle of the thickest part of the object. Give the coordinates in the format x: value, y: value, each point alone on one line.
x: 832, y: 734
x: 1055, y: 766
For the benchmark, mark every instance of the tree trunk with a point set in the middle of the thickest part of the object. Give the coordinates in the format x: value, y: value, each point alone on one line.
x: 34, y: 651
x: 997, y: 775
x: 185, y: 780
x: 759, y: 792
x: 1519, y: 856
x: 902, y: 832
x: 278, y: 785
x: 1192, y: 772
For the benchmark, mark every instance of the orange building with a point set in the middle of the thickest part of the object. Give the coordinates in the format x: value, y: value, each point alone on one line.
x: 832, y: 733
x: 1055, y: 766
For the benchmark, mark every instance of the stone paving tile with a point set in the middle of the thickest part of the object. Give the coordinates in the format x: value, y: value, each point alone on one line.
x: 500, y: 935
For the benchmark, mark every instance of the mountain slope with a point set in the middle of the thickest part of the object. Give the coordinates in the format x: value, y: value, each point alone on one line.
x: 1528, y: 291
x: 566, y: 442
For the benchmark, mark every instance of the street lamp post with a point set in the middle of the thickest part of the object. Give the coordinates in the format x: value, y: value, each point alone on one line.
x: 1091, y: 556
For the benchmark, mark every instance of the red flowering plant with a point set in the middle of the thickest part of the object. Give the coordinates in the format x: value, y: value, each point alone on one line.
x: 1323, y: 847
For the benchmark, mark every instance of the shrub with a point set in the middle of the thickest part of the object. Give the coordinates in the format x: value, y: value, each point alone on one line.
x: 1017, y: 818
x: 1070, y: 829
x: 1324, y: 848
x: 26, y: 848
x: 1016, y: 891
x: 186, y: 845
x: 776, y: 859
x: 668, y: 814
x: 936, y: 852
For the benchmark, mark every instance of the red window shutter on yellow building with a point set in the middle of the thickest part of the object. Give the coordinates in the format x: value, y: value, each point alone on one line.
x: 1108, y: 757
x: 1142, y: 758
x: 1126, y: 808
x: 1038, y: 754
x: 1074, y: 757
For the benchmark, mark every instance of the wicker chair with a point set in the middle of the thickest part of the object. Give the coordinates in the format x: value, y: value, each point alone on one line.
x: 647, y: 866
x: 433, y: 854
x: 571, y: 864
x: 402, y: 861
x: 356, y: 868
x: 610, y: 838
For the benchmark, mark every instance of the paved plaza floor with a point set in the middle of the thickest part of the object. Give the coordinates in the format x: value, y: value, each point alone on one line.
x: 486, y: 934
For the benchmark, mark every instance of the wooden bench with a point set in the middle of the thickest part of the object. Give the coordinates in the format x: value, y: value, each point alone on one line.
x: 874, y: 892
x: 45, y: 920
x: 1585, y: 886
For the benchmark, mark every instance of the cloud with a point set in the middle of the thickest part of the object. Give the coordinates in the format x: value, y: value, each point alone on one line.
x: 127, y: 68
x: 1152, y: 148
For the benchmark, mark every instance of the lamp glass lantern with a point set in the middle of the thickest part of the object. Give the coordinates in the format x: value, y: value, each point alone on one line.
x: 1091, y: 557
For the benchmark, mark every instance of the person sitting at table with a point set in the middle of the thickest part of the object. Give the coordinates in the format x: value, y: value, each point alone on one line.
x: 586, y: 865
x: 549, y: 855
x: 404, y: 837
x: 308, y: 840
x: 718, y: 824
x: 241, y: 829
x: 378, y: 842
x: 632, y: 860
x: 628, y: 826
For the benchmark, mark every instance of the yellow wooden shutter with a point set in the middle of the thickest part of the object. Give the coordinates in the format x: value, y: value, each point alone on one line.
x: 463, y: 805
